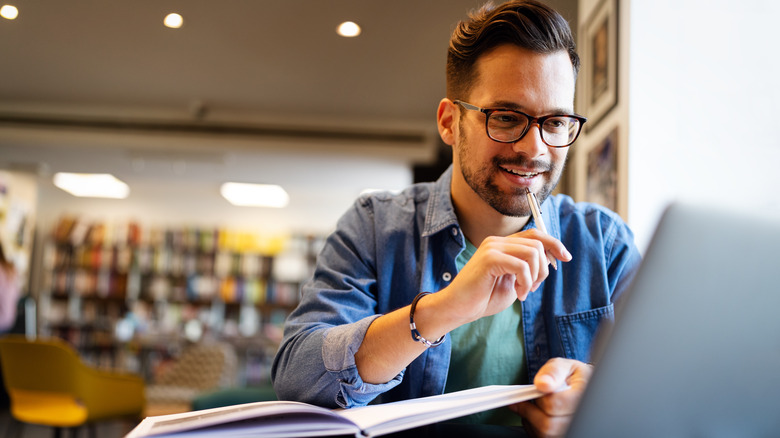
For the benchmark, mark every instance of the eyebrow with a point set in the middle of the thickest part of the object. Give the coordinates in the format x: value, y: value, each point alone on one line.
x: 505, y: 104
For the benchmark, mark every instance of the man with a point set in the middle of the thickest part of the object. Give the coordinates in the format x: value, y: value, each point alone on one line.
x: 505, y: 318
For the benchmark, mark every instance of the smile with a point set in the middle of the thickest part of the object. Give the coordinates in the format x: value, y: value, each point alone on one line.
x: 521, y: 174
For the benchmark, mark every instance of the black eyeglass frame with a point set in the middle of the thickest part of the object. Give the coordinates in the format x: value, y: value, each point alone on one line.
x: 539, y: 121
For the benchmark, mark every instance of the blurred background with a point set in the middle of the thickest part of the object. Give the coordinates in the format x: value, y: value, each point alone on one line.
x: 249, y: 91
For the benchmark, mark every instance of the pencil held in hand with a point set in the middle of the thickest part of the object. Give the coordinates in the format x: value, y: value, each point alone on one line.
x: 536, y: 211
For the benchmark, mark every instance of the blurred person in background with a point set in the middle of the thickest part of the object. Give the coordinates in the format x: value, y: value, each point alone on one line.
x: 10, y: 288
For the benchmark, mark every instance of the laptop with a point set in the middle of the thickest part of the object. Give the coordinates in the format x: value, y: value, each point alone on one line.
x: 695, y: 349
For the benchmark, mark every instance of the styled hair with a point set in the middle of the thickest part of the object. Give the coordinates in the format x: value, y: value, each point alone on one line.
x: 528, y: 24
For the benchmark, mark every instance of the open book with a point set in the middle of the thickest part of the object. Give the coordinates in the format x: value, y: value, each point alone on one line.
x: 293, y: 419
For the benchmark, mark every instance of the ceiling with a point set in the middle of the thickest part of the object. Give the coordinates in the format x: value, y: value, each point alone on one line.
x: 244, y: 55
x: 81, y: 78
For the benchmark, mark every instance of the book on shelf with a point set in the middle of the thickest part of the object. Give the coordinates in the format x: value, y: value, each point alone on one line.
x: 294, y: 419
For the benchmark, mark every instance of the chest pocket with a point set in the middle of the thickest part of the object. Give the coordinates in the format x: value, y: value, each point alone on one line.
x: 578, y: 331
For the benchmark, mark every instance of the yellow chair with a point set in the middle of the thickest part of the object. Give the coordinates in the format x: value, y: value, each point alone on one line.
x: 49, y: 385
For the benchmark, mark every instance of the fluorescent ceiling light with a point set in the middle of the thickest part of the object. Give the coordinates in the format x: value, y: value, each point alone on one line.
x: 92, y: 185
x: 255, y: 195
x: 9, y: 12
x: 348, y: 29
x: 174, y: 21
x: 368, y: 191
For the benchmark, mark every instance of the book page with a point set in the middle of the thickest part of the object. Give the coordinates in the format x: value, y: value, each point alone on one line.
x: 287, y: 419
x: 386, y: 418
x: 281, y: 426
x: 281, y: 417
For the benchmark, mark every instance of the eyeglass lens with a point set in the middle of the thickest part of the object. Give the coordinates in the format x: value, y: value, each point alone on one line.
x: 508, y: 126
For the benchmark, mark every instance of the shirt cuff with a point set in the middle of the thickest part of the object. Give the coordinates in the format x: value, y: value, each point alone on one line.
x: 338, y: 354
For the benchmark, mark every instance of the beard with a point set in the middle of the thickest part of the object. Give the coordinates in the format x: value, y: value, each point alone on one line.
x: 512, y: 203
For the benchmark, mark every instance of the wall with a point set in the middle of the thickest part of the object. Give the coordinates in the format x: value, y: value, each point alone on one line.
x: 702, y: 110
x: 615, y: 119
x: 702, y: 88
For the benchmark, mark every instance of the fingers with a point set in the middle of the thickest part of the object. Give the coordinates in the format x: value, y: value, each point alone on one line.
x: 553, y: 377
x: 522, y: 257
x: 503, y: 269
x: 552, y: 245
x: 540, y: 250
x: 564, y: 381
x: 537, y: 422
x: 558, y: 372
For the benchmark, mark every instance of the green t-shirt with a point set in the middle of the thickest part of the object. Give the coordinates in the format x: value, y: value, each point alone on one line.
x: 488, y: 351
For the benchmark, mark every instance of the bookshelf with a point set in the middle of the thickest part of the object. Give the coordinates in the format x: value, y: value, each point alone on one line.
x: 129, y: 296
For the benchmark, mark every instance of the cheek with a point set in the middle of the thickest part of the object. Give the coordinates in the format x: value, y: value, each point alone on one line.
x: 559, y: 156
x: 464, y: 147
x: 475, y: 154
x: 474, y: 149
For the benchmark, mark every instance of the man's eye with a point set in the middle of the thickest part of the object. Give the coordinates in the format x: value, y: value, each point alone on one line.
x: 505, y: 118
x: 556, y: 124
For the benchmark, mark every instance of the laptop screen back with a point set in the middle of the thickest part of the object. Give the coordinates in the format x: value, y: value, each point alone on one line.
x: 695, y: 350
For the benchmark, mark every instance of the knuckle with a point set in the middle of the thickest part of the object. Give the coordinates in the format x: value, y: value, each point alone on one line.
x: 493, y: 254
x: 490, y: 240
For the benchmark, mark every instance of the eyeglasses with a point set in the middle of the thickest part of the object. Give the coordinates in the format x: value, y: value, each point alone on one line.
x: 509, y: 126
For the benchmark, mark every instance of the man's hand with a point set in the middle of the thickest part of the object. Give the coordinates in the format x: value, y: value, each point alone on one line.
x: 550, y: 415
x: 502, y: 270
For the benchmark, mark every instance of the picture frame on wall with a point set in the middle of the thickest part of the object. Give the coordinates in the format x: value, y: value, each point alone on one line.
x: 602, y: 184
x: 599, y: 52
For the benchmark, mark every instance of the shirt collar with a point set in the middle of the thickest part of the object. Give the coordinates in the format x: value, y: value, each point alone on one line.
x: 440, y: 214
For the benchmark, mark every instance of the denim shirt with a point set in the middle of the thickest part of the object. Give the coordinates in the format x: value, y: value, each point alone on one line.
x: 389, y: 247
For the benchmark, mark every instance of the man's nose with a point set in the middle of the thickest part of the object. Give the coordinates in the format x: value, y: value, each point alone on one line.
x: 531, y: 144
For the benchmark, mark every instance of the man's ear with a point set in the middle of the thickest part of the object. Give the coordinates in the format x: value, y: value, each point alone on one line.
x: 446, y: 119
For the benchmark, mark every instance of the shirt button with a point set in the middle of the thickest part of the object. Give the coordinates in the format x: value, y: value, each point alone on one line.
x: 446, y: 276
x: 454, y: 231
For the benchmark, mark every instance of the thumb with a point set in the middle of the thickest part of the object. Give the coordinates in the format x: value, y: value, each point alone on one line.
x: 553, y: 375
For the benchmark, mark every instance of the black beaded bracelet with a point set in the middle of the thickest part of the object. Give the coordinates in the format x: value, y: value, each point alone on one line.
x: 415, y: 334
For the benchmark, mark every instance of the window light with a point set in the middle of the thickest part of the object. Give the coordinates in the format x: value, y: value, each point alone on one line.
x: 92, y: 185
x: 255, y: 195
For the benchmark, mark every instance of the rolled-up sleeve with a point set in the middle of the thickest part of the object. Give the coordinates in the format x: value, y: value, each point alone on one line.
x: 316, y: 359
x: 338, y: 352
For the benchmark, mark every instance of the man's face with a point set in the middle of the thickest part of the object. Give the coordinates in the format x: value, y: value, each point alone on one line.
x: 498, y: 173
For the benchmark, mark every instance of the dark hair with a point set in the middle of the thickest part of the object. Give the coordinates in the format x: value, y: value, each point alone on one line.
x: 525, y: 23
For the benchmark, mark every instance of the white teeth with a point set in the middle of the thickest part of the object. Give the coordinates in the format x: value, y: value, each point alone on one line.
x: 523, y: 174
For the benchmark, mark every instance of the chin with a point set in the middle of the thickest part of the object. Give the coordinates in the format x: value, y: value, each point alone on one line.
x: 515, y: 204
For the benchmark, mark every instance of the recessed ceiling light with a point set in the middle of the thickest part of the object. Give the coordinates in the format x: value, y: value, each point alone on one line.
x: 9, y: 12
x: 174, y: 21
x: 255, y: 195
x: 348, y: 29
x: 92, y: 185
